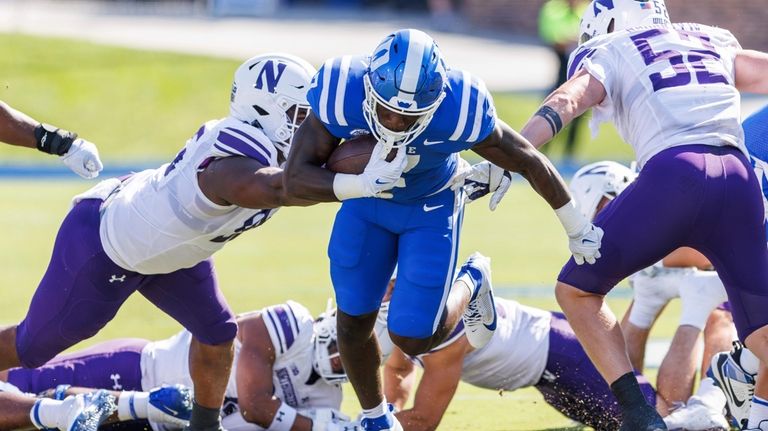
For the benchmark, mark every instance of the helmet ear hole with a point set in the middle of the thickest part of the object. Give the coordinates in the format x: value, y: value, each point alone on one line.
x: 611, y: 25
x: 260, y: 110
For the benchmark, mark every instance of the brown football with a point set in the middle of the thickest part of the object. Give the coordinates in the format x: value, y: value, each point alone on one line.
x: 352, y: 155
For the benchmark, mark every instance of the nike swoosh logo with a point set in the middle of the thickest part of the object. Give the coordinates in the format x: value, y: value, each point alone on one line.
x: 492, y: 326
x: 587, y: 241
x: 169, y: 410
x: 732, y: 394
x: 428, y: 142
x: 381, y: 182
x: 429, y: 208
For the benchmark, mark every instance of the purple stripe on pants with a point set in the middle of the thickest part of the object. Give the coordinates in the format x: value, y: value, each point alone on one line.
x: 573, y: 386
x: 114, y: 365
x: 700, y: 196
x: 82, y: 290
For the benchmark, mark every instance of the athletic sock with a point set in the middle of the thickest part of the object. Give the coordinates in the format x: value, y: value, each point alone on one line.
x: 758, y: 414
x: 711, y: 395
x: 749, y: 361
x: 627, y: 392
x: 205, y: 418
x: 468, y: 282
x: 132, y: 405
x: 47, y: 412
x: 377, y: 411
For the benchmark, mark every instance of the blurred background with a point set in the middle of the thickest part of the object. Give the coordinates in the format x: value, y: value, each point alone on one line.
x: 138, y: 78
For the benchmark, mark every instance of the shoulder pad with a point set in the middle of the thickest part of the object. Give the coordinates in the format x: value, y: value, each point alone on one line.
x: 289, y: 326
x: 336, y: 93
x: 235, y: 138
x: 468, y: 109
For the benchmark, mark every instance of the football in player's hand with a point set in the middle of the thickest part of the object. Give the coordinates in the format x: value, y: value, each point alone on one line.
x: 351, y: 157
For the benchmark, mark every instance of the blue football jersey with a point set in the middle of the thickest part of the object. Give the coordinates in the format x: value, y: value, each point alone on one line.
x: 465, y: 117
x: 756, y: 141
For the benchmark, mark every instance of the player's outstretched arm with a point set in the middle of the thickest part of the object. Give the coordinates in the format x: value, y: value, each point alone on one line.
x: 305, y: 178
x: 750, y: 73
x: 246, y: 183
x: 569, y: 101
x: 254, y: 381
x: 510, y: 150
x: 442, y: 373
x: 17, y: 128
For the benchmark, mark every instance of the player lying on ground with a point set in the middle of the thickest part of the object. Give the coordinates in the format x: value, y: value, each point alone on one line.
x: 530, y: 347
x: 672, y: 90
x: 677, y: 275
x: 82, y: 412
x: 735, y: 372
x: 17, y: 128
x: 155, y: 232
x: 287, y: 374
x: 410, y: 101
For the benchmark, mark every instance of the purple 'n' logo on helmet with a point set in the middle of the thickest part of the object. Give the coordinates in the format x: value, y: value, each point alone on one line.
x: 270, y: 73
x: 607, y: 5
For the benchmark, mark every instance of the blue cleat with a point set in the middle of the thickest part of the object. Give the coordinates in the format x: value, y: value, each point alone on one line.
x: 170, y: 405
x: 480, y: 315
x: 385, y: 422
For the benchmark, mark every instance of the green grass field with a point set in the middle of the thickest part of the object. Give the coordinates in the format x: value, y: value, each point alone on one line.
x: 141, y: 106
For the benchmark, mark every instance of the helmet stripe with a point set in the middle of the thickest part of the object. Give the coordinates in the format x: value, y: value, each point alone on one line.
x: 325, y: 90
x: 464, y: 111
x: 341, y: 88
x: 417, y: 45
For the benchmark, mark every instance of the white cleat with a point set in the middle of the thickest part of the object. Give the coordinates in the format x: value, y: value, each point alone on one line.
x: 697, y: 416
x: 480, y: 315
x: 87, y: 411
x: 737, y: 384
x: 385, y: 422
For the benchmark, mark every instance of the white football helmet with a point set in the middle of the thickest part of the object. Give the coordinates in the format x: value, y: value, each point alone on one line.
x: 597, y: 180
x: 270, y: 92
x: 606, y: 16
x: 327, y: 348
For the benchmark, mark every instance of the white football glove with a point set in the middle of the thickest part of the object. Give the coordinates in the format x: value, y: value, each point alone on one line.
x: 378, y: 177
x: 83, y: 159
x: 585, y: 246
x: 327, y: 419
x: 484, y: 178
x: 463, y: 170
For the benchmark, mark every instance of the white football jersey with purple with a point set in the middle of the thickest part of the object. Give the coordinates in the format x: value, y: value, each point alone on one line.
x: 290, y: 327
x: 660, y: 81
x: 516, y: 355
x: 159, y: 220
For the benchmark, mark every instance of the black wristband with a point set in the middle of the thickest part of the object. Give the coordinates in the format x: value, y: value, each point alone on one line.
x: 52, y: 140
x: 552, y: 117
x: 204, y: 418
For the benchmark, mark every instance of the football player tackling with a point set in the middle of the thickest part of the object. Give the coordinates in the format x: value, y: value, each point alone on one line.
x: 405, y: 96
x: 672, y: 90
x: 155, y: 231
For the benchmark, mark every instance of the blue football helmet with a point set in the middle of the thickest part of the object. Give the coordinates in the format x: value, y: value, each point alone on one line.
x: 406, y: 75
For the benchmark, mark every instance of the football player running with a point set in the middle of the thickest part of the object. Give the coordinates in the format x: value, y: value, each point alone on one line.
x: 672, y: 90
x: 286, y: 374
x: 79, y: 155
x: 82, y: 412
x: 530, y: 347
x: 155, y: 231
x: 405, y: 211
